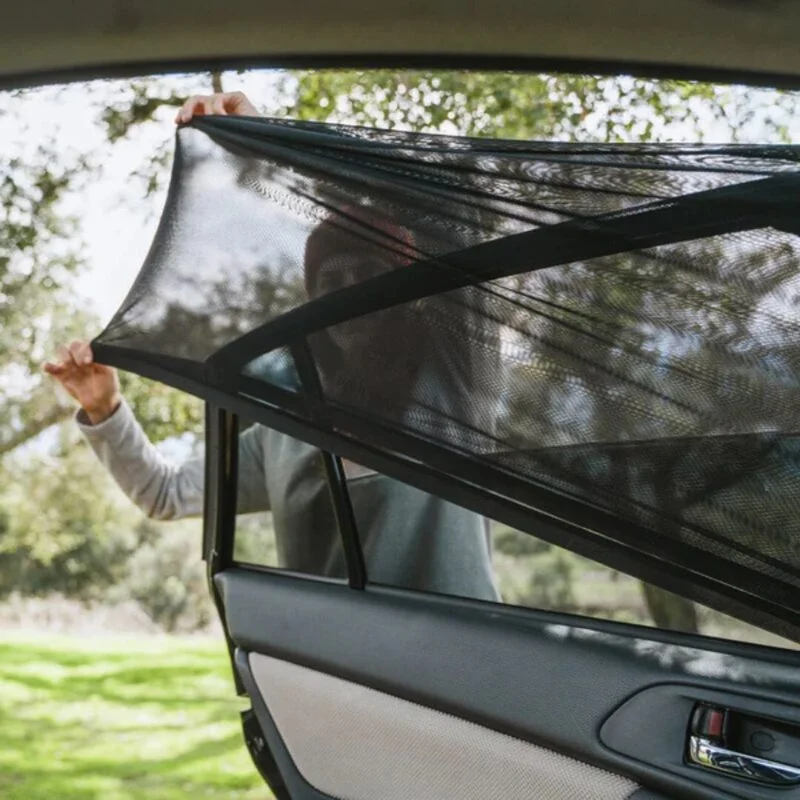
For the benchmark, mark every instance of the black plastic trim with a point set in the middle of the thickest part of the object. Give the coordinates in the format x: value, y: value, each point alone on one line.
x: 334, y: 471
x: 219, y: 518
x: 261, y: 755
x: 210, y: 498
x: 651, y: 726
x: 345, y: 520
x: 224, y: 439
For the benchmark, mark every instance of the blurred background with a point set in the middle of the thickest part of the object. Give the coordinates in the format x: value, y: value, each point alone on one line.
x: 114, y: 680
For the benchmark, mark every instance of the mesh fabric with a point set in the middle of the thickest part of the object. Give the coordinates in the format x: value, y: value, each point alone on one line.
x: 614, y: 324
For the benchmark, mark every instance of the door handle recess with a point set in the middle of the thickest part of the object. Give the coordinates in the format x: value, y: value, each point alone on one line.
x: 710, y: 755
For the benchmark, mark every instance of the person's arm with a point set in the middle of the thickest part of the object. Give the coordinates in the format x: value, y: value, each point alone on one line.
x: 163, y: 490
x: 160, y: 489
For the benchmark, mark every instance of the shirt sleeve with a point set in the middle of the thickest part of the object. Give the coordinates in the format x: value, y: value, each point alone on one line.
x: 163, y: 490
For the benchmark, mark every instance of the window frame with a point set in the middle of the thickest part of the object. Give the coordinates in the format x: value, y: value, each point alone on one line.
x: 585, y: 537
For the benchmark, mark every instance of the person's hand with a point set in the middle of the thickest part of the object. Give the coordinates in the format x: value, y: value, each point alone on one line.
x: 226, y: 103
x: 94, y: 386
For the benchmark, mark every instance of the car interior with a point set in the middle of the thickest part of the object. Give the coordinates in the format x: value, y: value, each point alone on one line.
x: 592, y: 348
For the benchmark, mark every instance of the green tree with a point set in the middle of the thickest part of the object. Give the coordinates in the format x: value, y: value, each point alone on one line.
x: 530, y: 106
x: 65, y: 526
x: 66, y: 529
x: 167, y: 578
x: 39, y: 260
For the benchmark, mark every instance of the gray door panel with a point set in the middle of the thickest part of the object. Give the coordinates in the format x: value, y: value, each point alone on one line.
x: 354, y: 742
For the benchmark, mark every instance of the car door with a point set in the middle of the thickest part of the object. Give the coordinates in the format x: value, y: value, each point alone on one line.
x: 370, y: 691
x: 542, y: 346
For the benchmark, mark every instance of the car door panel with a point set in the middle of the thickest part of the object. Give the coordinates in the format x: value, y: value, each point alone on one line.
x: 294, y: 785
x: 564, y: 687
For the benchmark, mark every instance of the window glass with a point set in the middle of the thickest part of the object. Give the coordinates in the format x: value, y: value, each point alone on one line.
x: 534, y: 573
x: 417, y: 541
x: 276, y: 368
x: 414, y: 540
x: 285, y: 516
x: 254, y: 541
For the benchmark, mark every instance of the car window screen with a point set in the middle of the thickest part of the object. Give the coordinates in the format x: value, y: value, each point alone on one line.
x: 602, y: 337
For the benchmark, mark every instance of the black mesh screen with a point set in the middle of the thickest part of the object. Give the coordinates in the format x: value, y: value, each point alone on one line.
x: 611, y: 327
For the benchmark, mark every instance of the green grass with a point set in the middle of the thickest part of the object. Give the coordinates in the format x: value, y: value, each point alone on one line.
x: 120, y: 719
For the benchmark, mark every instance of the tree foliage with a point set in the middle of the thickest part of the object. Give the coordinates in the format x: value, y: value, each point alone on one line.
x: 167, y: 579
x: 531, y: 106
x: 65, y: 528
x: 163, y: 412
x: 39, y: 260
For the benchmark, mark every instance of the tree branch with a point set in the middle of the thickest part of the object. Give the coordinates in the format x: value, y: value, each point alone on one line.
x: 53, y: 415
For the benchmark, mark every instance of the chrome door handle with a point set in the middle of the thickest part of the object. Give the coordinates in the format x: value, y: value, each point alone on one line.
x: 705, y: 753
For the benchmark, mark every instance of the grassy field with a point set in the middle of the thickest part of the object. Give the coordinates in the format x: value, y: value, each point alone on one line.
x: 120, y: 719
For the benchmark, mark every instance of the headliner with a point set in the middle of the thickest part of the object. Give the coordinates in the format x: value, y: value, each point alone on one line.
x: 752, y: 41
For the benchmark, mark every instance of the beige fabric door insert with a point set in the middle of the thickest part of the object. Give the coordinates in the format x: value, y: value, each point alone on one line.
x: 355, y: 743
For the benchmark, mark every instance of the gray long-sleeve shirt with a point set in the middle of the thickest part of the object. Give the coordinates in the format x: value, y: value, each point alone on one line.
x: 410, y: 539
